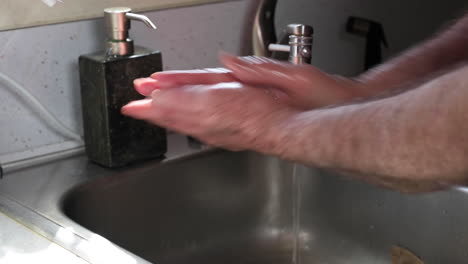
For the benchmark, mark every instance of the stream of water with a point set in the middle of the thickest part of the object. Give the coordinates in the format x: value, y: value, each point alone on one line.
x: 296, y: 214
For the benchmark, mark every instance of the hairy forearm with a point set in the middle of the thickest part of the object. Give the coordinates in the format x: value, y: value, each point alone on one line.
x: 445, y: 50
x: 416, y: 139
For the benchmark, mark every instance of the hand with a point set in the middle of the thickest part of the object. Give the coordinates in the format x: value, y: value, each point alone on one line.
x: 229, y: 115
x: 241, y: 107
x: 301, y: 86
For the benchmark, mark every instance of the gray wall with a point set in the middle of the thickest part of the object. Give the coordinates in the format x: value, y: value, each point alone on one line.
x: 406, y: 22
x: 44, y: 59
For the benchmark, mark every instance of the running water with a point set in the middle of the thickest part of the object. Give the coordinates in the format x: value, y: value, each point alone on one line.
x: 296, y: 214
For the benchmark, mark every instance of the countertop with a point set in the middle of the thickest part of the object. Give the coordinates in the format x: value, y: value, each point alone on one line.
x: 18, y: 244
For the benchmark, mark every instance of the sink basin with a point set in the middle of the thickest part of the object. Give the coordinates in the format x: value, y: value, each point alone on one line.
x: 225, y: 207
x: 218, y: 207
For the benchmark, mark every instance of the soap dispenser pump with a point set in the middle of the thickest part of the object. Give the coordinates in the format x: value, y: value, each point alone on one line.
x: 106, y: 78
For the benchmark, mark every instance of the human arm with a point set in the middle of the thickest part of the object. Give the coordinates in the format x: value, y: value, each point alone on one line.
x: 414, y: 141
x: 442, y: 51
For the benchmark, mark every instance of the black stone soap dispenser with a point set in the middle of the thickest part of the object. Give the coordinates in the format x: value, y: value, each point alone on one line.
x: 111, y: 139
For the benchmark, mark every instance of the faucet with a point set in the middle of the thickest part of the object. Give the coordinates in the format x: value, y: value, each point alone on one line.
x: 265, y: 40
x: 300, y: 44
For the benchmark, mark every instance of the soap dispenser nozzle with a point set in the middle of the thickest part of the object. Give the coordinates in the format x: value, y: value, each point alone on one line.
x: 117, y: 20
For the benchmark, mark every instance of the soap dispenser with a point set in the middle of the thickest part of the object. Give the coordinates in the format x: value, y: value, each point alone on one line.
x: 111, y: 139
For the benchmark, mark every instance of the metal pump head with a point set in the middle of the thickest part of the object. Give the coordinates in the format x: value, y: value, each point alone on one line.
x: 117, y: 20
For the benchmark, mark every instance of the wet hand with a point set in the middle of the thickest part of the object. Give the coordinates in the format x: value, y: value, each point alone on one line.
x: 301, y: 86
x: 238, y: 107
x: 231, y: 115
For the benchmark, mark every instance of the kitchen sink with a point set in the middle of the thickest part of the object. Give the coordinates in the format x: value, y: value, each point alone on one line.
x: 243, y: 207
x: 217, y: 207
x: 214, y: 206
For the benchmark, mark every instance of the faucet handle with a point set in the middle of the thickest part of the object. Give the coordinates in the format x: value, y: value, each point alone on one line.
x: 300, y: 44
x: 279, y: 48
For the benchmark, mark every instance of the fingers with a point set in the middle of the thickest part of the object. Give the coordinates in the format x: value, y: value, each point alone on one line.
x: 193, y: 75
x: 145, y: 86
x: 250, y: 70
x: 142, y: 109
x: 168, y: 79
x: 203, y: 76
x: 228, y: 115
x: 172, y: 109
x: 307, y: 86
x: 262, y: 71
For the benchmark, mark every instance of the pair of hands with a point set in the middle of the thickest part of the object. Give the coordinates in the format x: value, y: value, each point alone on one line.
x: 240, y: 107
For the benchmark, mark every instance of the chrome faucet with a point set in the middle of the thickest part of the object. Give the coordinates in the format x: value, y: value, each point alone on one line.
x: 300, y: 44
x: 265, y: 41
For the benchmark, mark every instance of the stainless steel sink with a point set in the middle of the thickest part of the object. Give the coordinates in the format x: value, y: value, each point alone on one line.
x: 223, y: 207
x: 218, y: 207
